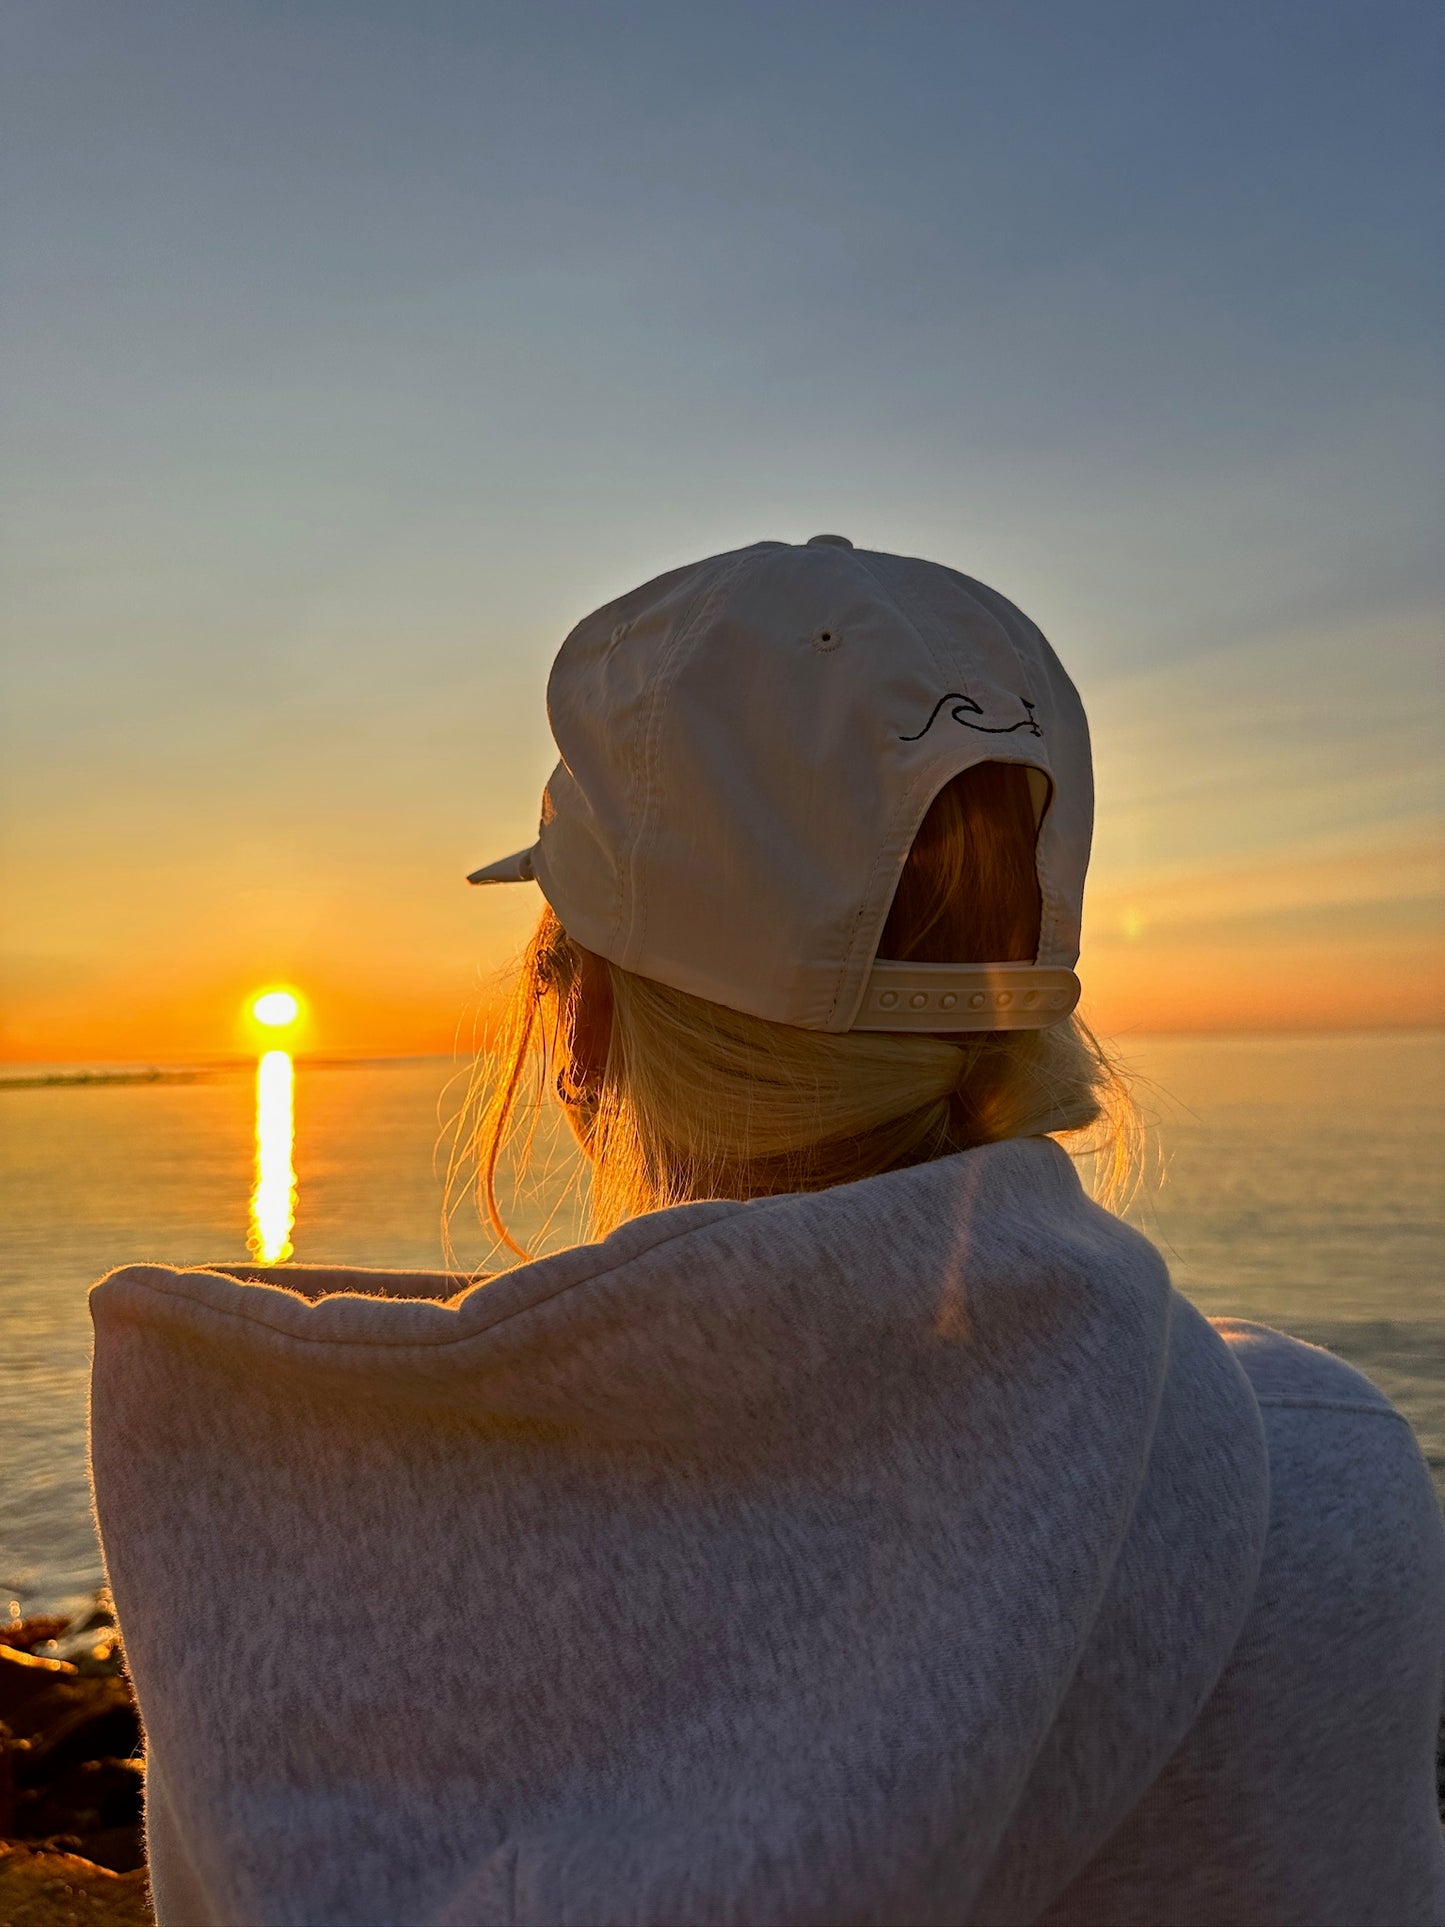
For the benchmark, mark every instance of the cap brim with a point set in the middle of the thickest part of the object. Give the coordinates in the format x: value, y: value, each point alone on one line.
x: 516, y: 868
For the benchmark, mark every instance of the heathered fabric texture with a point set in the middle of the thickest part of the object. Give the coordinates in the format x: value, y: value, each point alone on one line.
x: 907, y: 1552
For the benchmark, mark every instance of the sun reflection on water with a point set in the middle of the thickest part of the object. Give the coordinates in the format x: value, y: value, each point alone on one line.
x: 273, y: 1198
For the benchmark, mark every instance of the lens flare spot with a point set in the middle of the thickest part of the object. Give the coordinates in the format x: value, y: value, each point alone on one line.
x: 276, y: 1009
x: 273, y: 1198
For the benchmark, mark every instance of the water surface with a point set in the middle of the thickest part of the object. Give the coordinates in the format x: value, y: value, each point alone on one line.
x: 1303, y: 1186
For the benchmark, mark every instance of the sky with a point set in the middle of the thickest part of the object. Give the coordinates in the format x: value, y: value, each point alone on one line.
x: 356, y: 351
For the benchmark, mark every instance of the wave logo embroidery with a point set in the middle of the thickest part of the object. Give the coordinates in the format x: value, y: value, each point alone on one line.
x: 965, y: 706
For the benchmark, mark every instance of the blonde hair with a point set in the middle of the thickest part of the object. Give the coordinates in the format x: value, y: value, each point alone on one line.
x: 694, y: 1100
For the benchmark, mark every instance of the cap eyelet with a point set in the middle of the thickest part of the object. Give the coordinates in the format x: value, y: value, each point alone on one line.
x: 826, y: 639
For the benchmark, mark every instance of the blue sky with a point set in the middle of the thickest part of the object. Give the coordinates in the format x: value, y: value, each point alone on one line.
x: 355, y: 351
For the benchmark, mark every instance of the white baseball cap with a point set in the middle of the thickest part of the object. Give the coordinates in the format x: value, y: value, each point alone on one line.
x: 749, y: 746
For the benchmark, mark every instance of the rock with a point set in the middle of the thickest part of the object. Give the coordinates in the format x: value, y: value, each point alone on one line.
x: 98, y: 1796
x: 28, y: 1634
x: 7, y: 1782
x: 24, y: 1680
x: 71, y: 1842
x: 74, y: 1720
x: 90, y: 1635
x: 94, y: 1652
x: 122, y: 1849
x: 43, y: 1888
x: 62, y: 1718
x: 102, y: 1613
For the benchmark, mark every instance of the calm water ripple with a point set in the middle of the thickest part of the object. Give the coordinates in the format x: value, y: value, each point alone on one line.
x: 1303, y: 1186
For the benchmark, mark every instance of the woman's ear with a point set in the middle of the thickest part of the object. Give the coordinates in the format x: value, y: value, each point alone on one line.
x: 589, y: 1021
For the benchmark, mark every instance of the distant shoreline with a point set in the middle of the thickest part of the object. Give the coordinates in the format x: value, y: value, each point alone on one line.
x: 21, y: 1076
x: 54, y: 1076
x: 156, y: 1074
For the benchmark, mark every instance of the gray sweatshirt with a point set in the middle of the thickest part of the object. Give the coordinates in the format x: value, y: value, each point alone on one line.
x: 908, y: 1552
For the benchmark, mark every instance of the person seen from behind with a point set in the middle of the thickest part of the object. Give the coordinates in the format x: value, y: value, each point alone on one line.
x: 858, y: 1527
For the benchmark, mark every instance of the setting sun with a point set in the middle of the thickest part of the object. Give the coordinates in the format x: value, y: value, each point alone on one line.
x: 276, y: 1009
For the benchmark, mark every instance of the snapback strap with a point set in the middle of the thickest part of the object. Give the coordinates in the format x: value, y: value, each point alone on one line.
x: 928, y: 996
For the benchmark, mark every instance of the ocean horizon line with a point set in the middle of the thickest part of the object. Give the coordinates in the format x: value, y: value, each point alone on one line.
x: 24, y: 1073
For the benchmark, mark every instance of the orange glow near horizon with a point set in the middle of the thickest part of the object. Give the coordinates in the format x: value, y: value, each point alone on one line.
x: 1338, y: 932
x: 273, y: 1197
x: 1142, y: 973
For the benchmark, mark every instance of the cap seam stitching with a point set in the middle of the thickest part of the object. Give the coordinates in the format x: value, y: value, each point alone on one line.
x: 904, y: 608
x: 663, y: 683
x: 628, y: 870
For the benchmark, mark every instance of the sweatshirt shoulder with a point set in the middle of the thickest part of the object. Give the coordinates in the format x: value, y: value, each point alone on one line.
x: 1287, y: 1371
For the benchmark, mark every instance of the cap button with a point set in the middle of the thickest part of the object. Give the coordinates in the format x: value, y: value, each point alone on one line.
x: 827, y: 542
